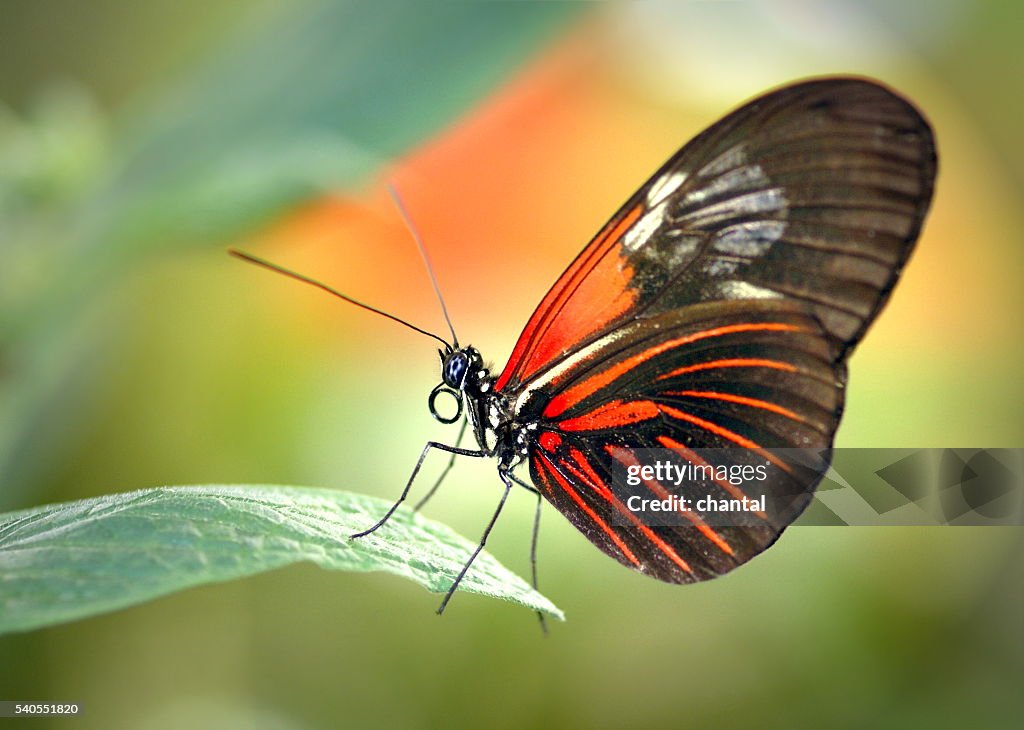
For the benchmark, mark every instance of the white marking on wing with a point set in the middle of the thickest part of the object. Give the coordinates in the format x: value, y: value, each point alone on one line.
x: 749, y: 240
x: 644, y: 228
x: 746, y: 290
x: 667, y: 185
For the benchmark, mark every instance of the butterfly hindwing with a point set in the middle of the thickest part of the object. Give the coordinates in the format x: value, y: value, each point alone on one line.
x: 743, y: 376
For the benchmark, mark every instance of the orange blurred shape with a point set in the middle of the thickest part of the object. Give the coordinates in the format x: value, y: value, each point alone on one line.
x: 504, y: 198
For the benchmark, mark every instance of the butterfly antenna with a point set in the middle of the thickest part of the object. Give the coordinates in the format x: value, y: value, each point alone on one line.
x: 330, y: 290
x: 426, y: 259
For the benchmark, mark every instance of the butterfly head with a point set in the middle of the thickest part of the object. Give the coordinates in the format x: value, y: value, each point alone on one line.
x: 462, y: 371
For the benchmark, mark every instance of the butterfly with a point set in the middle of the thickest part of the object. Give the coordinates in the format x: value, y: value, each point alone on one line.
x: 716, y: 310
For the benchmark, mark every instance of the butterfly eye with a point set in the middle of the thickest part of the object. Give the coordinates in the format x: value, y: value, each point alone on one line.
x: 454, y: 369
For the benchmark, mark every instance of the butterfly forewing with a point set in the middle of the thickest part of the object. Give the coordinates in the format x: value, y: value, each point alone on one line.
x: 815, y: 192
x: 716, y: 310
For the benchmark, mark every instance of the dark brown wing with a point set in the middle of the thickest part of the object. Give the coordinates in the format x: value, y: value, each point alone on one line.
x: 812, y: 193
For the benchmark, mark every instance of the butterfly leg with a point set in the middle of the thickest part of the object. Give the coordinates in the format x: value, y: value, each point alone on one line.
x: 448, y: 467
x: 483, y: 541
x: 525, y: 485
x: 533, y: 560
x: 454, y: 450
x: 533, y: 541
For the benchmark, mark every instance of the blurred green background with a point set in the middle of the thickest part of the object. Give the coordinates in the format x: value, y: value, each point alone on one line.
x: 137, y: 141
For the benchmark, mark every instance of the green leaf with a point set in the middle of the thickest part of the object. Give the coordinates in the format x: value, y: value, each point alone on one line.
x: 68, y: 561
x: 308, y: 101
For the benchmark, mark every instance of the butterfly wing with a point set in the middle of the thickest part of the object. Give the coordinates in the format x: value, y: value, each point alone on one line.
x: 814, y: 193
x: 747, y: 376
x: 716, y: 310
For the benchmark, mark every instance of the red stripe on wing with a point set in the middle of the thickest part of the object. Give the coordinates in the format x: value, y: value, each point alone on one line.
x: 709, y: 426
x: 726, y: 434
x: 573, y: 395
x: 592, y: 292
x: 742, y: 400
x: 593, y: 478
x: 735, y: 362
x: 611, y: 415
